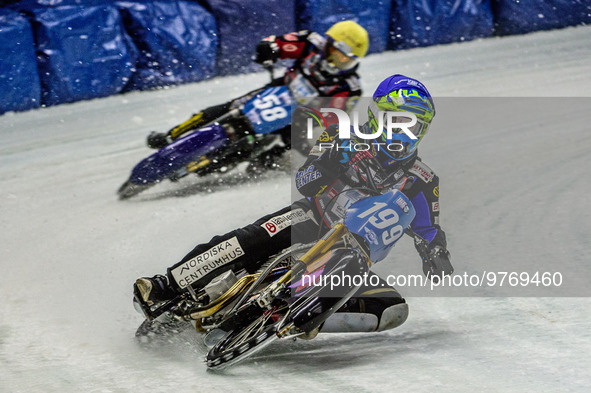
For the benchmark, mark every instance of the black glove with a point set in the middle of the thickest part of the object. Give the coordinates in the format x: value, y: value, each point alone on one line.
x: 436, y: 264
x: 267, y: 52
x: 435, y: 257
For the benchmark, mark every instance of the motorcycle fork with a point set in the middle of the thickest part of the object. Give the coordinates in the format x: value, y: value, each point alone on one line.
x: 337, y: 233
x: 306, y: 262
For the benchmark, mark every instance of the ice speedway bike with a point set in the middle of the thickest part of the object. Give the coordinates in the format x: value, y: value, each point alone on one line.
x: 208, y: 149
x: 242, y: 315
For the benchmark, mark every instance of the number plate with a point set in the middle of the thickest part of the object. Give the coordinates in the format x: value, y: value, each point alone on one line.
x: 381, y: 221
x: 269, y: 110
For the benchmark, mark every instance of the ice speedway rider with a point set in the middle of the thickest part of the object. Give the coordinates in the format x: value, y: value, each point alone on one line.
x: 328, y: 65
x: 371, y: 308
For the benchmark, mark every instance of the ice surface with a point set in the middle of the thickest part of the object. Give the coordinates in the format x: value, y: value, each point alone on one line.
x: 71, y: 250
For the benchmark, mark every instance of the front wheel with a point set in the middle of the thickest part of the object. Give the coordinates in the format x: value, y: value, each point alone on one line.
x: 129, y: 189
x: 241, y: 343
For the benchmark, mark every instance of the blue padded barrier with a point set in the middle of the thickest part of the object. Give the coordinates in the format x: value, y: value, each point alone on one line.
x: 373, y: 15
x: 430, y: 22
x: 83, y: 51
x: 20, y: 88
x: 519, y: 17
x: 177, y: 41
x: 242, y: 24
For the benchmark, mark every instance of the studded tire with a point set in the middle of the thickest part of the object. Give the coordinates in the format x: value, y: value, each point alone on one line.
x: 241, y: 343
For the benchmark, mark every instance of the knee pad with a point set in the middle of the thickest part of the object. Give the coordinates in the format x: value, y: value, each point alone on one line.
x: 348, y: 322
x: 393, y: 317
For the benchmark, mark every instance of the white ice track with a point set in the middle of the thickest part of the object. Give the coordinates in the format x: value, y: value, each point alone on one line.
x: 70, y: 250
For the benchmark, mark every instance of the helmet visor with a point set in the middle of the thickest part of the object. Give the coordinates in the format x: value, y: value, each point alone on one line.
x: 418, y: 129
x: 339, y: 55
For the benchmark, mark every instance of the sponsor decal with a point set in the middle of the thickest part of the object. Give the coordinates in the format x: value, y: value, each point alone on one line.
x: 420, y: 171
x: 279, y: 223
x: 402, y: 204
x: 306, y: 176
x: 360, y: 156
x: 371, y: 237
x: 271, y: 228
x: 205, y: 263
x: 290, y: 48
x: 332, y: 193
x: 436, y: 191
x: 435, y: 206
x: 324, y: 137
x: 411, y: 82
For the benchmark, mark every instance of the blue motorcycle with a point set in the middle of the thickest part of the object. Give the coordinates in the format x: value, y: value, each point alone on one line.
x: 215, y: 147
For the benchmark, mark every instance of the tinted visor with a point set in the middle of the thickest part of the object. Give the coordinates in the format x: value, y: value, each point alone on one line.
x: 418, y: 129
x: 339, y: 55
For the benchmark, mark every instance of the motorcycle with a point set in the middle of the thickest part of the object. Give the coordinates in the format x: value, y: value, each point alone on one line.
x: 214, y: 147
x: 243, y: 314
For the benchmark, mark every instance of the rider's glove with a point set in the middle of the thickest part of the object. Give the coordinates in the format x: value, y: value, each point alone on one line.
x: 267, y: 51
x: 435, y: 257
x: 436, y: 263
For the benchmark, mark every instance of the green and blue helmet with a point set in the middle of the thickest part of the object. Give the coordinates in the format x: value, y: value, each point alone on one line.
x: 399, y: 93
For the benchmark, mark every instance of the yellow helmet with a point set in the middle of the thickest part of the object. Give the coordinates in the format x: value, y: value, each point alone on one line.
x: 350, y: 38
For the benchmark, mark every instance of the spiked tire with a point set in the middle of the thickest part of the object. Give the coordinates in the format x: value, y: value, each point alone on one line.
x: 241, y: 343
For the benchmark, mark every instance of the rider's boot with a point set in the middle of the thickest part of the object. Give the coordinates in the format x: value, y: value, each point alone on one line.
x: 158, y: 140
x: 153, y: 290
